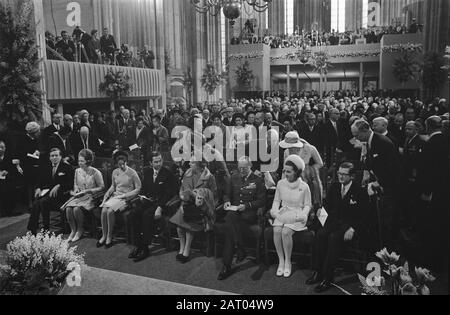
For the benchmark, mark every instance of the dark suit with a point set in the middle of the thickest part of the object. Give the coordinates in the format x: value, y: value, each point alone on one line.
x: 251, y: 193
x: 144, y: 141
x: 434, y: 179
x: 332, y: 140
x: 66, y: 49
x: 6, y: 186
x: 313, y: 137
x: 30, y: 166
x: 383, y: 161
x: 55, y: 141
x: 344, y: 213
x: 64, y: 177
x: 79, y: 144
x: 108, y: 45
x: 123, y: 130
x: 160, y: 192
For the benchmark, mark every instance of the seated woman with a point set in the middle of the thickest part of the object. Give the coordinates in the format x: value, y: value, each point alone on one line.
x: 126, y: 186
x: 290, y: 211
x: 87, y: 191
x: 199, y: 181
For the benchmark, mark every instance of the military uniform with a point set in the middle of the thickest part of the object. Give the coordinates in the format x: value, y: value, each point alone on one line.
x: 251, y: 193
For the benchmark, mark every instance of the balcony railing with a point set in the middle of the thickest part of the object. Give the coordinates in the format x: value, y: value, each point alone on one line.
x: 66, y: 81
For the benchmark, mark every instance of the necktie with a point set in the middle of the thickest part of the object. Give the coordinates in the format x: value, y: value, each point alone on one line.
x: 155, y: 176
x: 54, y: 171
x: 343, y: 192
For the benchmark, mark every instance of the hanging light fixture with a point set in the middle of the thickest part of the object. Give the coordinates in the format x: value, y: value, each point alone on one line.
x: 231, y: 8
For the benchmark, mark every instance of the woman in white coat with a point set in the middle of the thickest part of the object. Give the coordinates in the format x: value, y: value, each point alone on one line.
x: 290, y: 211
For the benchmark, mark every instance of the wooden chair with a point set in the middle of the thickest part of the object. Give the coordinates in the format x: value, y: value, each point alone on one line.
x: 255, y: 234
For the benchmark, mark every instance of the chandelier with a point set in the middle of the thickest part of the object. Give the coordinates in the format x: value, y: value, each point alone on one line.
x: 231, y: 8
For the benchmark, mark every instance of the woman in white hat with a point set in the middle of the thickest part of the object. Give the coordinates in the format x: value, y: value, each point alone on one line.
x: 290, y: 211
x: 294, y: 145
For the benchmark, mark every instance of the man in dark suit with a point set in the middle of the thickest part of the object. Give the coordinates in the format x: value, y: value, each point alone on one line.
x: 159, y: 187
x: 411, y: 162
x: 347, y: 205
x: 6, y: 185
x: 380, y: 126
x: 85, y: 140
x: 61, y: 141
x: 55, y: 183
x: 311, y: 132
x: 124, y: 128
x: 108, y: 44
x: 142, y: 137
x: 66, y: 47
x: 382, y: 174
x: 247, y: 193
x: 333, y: 134
x: 434, y: 181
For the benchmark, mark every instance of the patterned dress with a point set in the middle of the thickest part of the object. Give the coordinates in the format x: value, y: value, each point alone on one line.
x: 84, y: 180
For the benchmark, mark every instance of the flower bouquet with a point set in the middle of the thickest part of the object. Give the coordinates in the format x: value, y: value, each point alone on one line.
x: 117, y: 84
x: 37, y: 265
x: 398, y: 279
x: 244, y: 75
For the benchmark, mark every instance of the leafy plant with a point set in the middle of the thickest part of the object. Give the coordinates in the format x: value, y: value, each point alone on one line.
x: 321, y: 61
x: 20, y: 94
x: 117, y: 84
x: 244, y: 75
x: 405, y: 68
x: 398, y: 279
x: 433, y: 72
x: 37, y: 265
x: 167, y: 62
x: 211, y: 79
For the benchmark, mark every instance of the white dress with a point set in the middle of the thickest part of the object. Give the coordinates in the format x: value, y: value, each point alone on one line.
x: 292, y: 203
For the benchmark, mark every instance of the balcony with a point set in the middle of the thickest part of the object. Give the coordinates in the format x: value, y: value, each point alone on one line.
x: 71, y: 81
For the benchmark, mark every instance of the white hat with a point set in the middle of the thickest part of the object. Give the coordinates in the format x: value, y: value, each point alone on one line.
x: 292, y: 140
x: 298, y: 161
x: 32, y: 127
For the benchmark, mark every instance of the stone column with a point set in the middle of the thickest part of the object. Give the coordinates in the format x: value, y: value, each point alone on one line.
x: 288, y: 89
x: 361, y: 79
x: 160, y: 48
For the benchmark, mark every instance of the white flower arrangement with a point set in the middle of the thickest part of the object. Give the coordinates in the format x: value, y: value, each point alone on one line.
x: 37, y: 264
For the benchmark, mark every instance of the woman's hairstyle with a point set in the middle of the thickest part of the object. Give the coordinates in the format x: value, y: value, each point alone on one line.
x: 88, y: 156
x: 201, y: 164
x: 120, y: 156
x: 297, y: 171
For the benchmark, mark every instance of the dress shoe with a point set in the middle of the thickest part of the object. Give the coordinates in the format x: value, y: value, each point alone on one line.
x: 316, y: 278
x: 134, y: 253
x: 323, y: 287
x: 100, y: 244
x: 241, y: 255
x: 143, y: 255
x: 184, y: 259
x: 287, y: 271
x: 280, y: 271
x: 179, y: 257
x: 225, y: 273
x: 110, y: 245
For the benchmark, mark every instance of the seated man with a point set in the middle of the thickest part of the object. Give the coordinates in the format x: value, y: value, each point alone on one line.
x: 159, y: 188
x: 347, y: 206
x: 245, y: 197
x: 54, y: 184
x: 6, y: 187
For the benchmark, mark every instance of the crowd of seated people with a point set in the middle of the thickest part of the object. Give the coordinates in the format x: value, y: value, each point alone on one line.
x: 371, y: 35
x: 85, y: 47
x: 386, y: 160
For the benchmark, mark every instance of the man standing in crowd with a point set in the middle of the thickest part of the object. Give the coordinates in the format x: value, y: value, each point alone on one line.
x: 434, y: 180
x: 108, y: 44
x: 159, y: 187
x: 244, y: 201
x: 66, y: 47
x: 347, y: 205
x: 55, y: 183
x: 382, y: 173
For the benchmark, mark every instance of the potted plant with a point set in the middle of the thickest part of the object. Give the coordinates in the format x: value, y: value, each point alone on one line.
x: 117, y: 84
x: 397, y: 279
x: 244, y: 75
x: 20, y: 93
x: 37, y: 265
x: 405, y: 68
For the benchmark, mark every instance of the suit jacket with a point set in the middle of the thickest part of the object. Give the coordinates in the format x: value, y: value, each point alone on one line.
x: 93, y: 144
x: 383, y: 160
x: 434, y: 173
x: 412, y: 158
x: 161, y: 139
x: 25, y: 146
x: 67, y: 50
x: 6, y: 165
x: 313, y: 137
x: 55, y: 141
x: 350, y: 211
x: 64, y: 176
x: 163, y: 189
x: 123, y: 131
x: 107, y: 44
x: 330, y: 135
x: 250, y: 192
